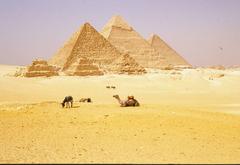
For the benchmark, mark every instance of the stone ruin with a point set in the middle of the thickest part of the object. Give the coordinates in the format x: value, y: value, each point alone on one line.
x: 40, y: 68
x: 83, y: 67
x: 126, y: 64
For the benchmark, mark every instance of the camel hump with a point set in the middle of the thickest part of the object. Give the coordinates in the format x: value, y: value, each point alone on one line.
x: 68, y: 98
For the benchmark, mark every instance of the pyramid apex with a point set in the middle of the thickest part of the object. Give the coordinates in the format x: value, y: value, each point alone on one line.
x: 154, y: 36
x: 87, y: 24
x: 117, y: 17
x: 117, y: 21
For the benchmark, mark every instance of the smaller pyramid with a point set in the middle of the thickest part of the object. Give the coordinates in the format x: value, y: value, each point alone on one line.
x: 126, y: 64
x: 40, y: 68
x: 83, y: 67
x: 169, y: 54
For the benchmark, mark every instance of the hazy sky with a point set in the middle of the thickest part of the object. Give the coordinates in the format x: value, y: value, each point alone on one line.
x: 204, y: 32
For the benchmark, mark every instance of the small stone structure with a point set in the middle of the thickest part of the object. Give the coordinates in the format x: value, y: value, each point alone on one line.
x: 40, y: 68
x: 126, y: 64
x: 83, y: 67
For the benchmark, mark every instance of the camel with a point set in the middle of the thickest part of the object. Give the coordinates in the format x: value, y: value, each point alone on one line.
x: 67, y: 100
x: 130, y: 102
x: 89, y: 100
x: 113, y: 87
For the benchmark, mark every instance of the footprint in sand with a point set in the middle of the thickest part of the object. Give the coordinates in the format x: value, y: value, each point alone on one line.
x: 182, y: 153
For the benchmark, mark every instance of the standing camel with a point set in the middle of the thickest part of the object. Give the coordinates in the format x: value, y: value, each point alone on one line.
x: 130, y: 102
x: 67, y: 101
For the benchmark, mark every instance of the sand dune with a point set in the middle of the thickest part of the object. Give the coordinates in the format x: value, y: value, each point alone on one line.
x: 184, y: 117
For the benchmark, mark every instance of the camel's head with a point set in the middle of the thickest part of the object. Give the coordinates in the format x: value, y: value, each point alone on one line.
x: 116, y: 96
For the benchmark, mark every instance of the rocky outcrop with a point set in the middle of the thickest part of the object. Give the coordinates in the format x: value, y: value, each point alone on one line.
x: 218, y: 67
x: 40, y: 68
x: 216, y: 75
x: 171, y: 56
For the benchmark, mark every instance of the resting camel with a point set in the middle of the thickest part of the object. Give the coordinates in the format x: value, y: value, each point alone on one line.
x: 89, y: 100
x: 130, y: 102
x: 67, y: 100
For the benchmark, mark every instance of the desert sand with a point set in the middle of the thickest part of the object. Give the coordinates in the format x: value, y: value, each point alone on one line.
x: 186, y: 116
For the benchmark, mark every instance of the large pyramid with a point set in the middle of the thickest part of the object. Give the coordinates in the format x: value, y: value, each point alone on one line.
x: 128, y: 41
x: 171, y: 55
x: 88, y: 44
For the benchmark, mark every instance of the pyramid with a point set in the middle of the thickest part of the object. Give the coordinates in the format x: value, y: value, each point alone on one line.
x: 128, y: 41
x: 88, y: 44
x: 40, y: 68
x: 83, y: 67
x: 171, y: 55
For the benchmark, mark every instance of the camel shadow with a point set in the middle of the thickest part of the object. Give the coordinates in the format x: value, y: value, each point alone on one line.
x: 76, y: 106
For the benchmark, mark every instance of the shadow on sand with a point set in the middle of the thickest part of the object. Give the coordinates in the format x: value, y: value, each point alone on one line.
x: 76, y: 106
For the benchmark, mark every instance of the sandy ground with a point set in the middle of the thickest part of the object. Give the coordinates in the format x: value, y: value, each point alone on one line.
x: 184, y: 117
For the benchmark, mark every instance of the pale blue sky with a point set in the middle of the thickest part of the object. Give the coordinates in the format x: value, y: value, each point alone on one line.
x: 204, y: 32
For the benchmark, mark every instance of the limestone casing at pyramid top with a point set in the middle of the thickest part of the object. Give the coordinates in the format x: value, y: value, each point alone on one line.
x: 117, y: 22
